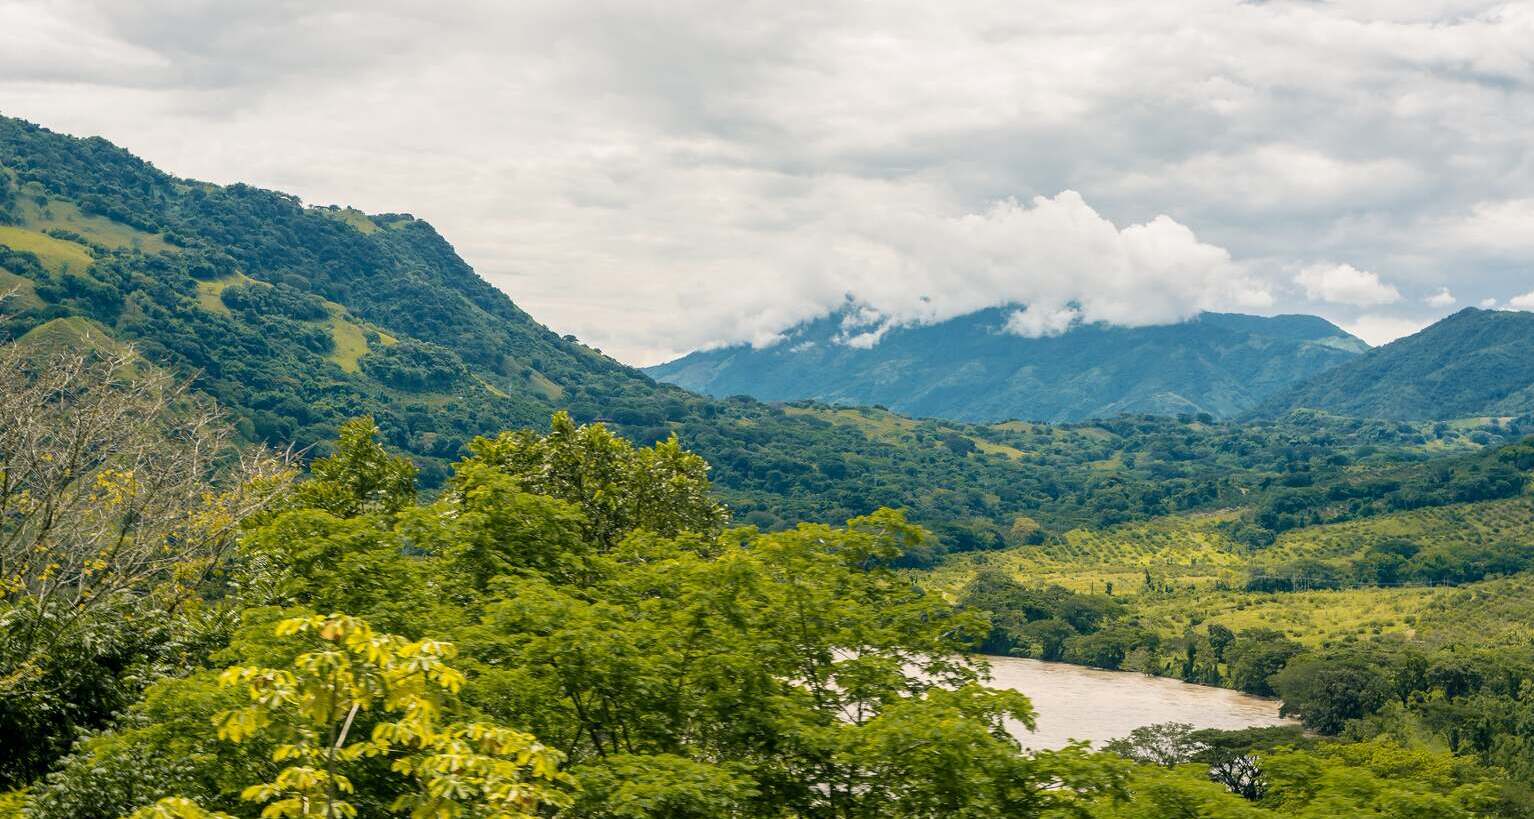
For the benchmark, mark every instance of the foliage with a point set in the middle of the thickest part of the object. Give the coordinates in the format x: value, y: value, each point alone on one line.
x: 459, y: 769
x: 120, y: 499
x: 662, y: 489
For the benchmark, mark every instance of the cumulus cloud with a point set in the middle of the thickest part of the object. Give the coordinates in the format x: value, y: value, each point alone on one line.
x: 1345, y: 284
x: 1442, y: 298
x: 1057, y: 255
x: 1488, y: 303
x: 1523, y: 302
x: 1038, y: 321
x: 656, y: 175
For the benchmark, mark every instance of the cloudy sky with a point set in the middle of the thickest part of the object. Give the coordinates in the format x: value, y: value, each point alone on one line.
x: 656, y: 177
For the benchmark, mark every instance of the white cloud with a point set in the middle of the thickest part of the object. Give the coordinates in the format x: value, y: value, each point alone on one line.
x: 662, y: 175
x: 1040, y: 321
x: 1503, y: 226
x: 1488, y: 304
x: 1443, y: 298
x: 1377, y: 330
x: 1523, y: 302
x: 1057, y: 255
x: 1345, y: 284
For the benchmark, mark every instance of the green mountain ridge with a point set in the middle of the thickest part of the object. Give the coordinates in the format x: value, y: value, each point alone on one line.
x: 969, y: 368
x: 298, y: 318
x: 1474, y: 363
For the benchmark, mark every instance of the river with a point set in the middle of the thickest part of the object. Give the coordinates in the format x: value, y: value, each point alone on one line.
x: 1076, y: 702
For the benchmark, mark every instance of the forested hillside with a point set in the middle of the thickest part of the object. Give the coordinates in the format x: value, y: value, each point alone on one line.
x: 293, y: 317
x: 297, y: 318
x: 972, y: 368
x: 1475, y: 363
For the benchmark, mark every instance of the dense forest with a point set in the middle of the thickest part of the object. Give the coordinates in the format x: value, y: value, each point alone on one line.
x: 300, y: 517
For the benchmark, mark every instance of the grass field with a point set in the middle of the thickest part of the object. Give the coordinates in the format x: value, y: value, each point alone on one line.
x: 57, y: 214
x: 351, y: 216
x: 1486, y: 522
x: 18, y: 291
x: 1182, y: 551
x: 1491, y: 612
x: 72, y: 334
x: 1313, y: 618
x: 350, y: 339
x: 57, y: 255
x: 209, y: 292
x: 1193, y: 550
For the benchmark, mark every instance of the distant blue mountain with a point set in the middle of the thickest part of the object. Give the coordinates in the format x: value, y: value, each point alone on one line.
x: 969, y: 368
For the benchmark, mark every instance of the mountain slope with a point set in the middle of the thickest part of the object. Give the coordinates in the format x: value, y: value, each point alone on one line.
x: 1471, y: 364
x: 969, y: 369
x: 297, y: 318
x: 294, y: 317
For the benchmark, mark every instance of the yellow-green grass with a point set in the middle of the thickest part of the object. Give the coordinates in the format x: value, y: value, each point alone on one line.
x: 887, y: 427
x: 17, y: 292
x: 996, y: 449
x: 70, y: 334
x: 1312, y: 618
x: 876, y: 424
x: 489, y: 387
x: 209, y: 292
x: 547, y: 387
x: 1460, y: 524
x: 350, y: 216
x: 351, y: 342
x: 1182, y: 551
x: 1492, y: 612
x: 1193, y: 550
x: 57, y: 255
x: 58, y: 214
x: 350, y: 336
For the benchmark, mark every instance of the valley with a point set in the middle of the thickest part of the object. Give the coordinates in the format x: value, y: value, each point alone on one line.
x: 628, y: 598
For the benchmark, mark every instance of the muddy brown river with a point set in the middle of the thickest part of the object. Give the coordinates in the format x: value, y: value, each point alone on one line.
x: 1075, y: 702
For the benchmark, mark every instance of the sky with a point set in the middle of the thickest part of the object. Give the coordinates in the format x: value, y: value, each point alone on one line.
x: 657, y: 177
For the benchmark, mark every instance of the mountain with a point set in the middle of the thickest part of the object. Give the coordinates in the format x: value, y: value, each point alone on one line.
x: 969, y: 368
x: 1474, y: 363
x: 296, y: 318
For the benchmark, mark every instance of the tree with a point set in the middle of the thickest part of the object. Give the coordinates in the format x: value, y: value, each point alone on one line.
x: 1326, y: 693
x: 1220, y: 639
x: 1255, y: 656
x: 361, y: 477
x: 311, y: 707
x: 663, y: 489
x: 1168, y: 744
x: 121, y: 495
x: 1024, y: 531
